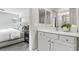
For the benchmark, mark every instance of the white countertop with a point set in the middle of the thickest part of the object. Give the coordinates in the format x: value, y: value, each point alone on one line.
x: 60, y: 32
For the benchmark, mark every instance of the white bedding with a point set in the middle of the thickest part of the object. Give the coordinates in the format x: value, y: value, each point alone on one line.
x: 8, y: 34
x: 4, y: 35
x: 14, y: 33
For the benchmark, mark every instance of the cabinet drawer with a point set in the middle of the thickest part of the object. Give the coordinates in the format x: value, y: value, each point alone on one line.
x: 51, y: 36
x: 67, y: 39
x: 61, y: 47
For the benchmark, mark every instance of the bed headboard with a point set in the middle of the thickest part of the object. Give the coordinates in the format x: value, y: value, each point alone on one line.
x: 8, y: 20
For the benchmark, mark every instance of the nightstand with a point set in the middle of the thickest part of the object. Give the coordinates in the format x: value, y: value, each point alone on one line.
x: 25, y: 30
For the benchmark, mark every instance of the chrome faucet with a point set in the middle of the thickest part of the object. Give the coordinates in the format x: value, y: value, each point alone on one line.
x: 57, y: 28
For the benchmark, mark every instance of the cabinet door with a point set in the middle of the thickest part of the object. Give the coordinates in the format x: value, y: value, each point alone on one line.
x: 43, y: 42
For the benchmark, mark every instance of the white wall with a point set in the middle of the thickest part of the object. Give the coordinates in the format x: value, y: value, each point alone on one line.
x: 77, y: 18
x: 33, y: 28
x: 73, y: 16
x: 23, y: 12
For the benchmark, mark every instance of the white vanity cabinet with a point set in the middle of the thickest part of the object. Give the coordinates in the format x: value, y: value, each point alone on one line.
x: 55, y: 42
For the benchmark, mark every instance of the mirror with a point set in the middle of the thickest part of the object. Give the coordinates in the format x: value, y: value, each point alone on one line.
x: 68, y: 15
x: 44, y: 16
x: 47, y: 17
x: 65, y: 18
x: 41, y: 15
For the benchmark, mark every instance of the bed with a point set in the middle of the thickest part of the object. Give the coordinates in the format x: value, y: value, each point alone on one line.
x: 10, y: 36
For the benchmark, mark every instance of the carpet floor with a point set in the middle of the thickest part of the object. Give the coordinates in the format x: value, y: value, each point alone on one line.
x: 23, y: 46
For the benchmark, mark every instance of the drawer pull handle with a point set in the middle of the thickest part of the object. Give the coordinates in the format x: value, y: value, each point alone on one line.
x: 67, y: 40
